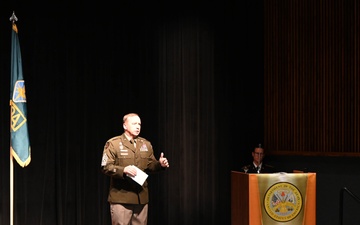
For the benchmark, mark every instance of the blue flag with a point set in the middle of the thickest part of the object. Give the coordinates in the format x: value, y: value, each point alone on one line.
x: 20, y: 142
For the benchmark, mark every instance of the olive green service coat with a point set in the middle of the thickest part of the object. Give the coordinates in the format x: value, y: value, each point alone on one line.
x: 118, y: 153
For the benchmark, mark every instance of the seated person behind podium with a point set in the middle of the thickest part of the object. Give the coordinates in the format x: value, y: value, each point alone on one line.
x: 257, y: 166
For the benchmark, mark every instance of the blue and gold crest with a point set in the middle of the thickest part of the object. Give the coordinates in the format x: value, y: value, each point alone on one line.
x: 19, y: 92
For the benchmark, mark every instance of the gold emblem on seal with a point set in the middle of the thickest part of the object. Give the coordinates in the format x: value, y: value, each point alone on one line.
x: 283, y: 202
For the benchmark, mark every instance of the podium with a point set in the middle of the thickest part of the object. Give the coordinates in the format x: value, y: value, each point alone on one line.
x: 273, y: 199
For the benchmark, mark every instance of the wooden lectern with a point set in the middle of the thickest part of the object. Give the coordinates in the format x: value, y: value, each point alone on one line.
x: 272, y: 199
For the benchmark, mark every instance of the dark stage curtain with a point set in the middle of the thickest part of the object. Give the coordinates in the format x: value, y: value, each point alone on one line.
x: 192, y: 70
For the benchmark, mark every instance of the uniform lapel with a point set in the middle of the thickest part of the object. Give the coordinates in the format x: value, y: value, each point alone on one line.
x: 127, y: 143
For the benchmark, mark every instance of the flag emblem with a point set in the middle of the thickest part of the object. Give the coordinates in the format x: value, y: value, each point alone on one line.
x: 19, y: 92
x: 17, y: 118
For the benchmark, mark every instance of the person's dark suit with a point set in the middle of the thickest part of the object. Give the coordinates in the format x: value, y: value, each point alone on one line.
x: 265, y: 168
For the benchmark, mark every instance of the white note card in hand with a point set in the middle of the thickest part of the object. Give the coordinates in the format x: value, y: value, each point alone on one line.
x: 140, y: 177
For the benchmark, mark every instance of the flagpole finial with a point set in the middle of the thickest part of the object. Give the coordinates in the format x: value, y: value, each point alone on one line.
x: 13, y: 18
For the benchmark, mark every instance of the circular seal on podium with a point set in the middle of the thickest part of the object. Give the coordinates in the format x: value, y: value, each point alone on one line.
x: 283, y: 202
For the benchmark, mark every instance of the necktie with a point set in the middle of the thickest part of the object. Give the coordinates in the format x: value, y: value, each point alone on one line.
x: 133, y: 142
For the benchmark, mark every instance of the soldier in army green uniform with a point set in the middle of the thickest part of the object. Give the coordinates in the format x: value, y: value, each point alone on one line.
x: 124, y: 158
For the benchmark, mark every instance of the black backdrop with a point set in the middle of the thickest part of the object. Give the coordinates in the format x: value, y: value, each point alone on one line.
x: 191, y: 69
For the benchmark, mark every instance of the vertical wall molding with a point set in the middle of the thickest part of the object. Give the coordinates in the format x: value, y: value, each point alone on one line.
x: 311, y: 77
